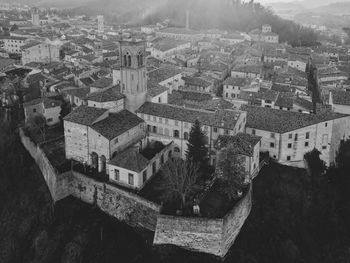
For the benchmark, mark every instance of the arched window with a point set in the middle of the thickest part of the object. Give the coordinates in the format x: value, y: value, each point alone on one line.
x: 140, y: 59
x: 177, y: 149
x: 127, y: 60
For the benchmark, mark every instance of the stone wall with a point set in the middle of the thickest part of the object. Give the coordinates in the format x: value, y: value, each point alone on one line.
x: 57, y: 184
x: 121, y: 204
x: 213, y: 236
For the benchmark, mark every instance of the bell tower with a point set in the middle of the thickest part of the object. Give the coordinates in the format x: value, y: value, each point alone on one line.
x: 133, y: 72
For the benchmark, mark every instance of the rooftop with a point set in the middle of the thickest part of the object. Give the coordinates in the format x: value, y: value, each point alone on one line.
x: 84, y: 115
x: 48, y: 103
x: 280, y: 121
x: 341, y: 97
x: 240, y: 82
x: 131, y: 160
x: 111, y: 94
x: 224, y: 118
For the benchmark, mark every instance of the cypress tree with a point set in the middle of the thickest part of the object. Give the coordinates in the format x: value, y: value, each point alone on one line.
x: 197, y: 152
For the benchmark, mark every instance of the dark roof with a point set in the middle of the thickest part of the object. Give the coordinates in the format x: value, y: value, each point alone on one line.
x: 77, y: 92
x: 116, y: 124
x: 284, y: 121
x: 242, y: 143
x: 240, y: 82
x: 285, y: 100
x: 196, y: 81
x: 304, y: 103
x: 341, y: 97
x: 163, y: 73
x: 48, y: 103
x: 102, y: 83
x: 30, y: 44
x: 84, y: 115
x: 130, y: 159
x: 111, y: 94
x: 5, y: 62
x: 224, y: 118
x: 154, y: 89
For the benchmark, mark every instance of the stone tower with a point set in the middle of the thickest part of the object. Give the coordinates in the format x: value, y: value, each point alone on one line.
x: 35, y: 17
x: 100, y: 24
x: 133, y: 72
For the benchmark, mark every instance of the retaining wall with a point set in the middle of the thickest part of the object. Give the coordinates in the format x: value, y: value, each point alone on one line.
x: 214, y: 236
x: 121, y: 204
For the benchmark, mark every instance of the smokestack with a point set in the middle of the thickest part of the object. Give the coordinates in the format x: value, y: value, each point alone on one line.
x: 187, y: 19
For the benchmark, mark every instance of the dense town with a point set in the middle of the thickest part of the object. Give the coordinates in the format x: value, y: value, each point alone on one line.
x: 176, y: 120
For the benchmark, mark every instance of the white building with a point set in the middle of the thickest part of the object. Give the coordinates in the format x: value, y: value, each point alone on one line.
x: 45, y: 52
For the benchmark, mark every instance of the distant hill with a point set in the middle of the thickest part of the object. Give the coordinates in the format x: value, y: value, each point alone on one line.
x: 335, y: 8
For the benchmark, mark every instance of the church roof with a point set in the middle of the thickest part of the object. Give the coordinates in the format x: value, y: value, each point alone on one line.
x: 116, y: 124
x: 84, y: 115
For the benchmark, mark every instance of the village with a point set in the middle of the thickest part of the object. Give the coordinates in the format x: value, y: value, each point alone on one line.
x: 176, y: 120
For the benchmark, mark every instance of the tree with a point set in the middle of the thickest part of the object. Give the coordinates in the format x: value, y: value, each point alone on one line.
x: 197, y: 152
x: 179, y: 181
x: 231, y: 172
x: 37, y: 124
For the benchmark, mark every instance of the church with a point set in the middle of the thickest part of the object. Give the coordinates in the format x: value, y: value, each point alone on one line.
x: 122, y: 134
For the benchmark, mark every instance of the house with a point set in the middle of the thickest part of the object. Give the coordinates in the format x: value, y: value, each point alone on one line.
x: 157, y: 93
x: 133, y: 167
x: 247, y: 71
x: 298, y: 62
x: 287, y: 136
x: 340, y: 101
x: 180, y: 34
x: 246, y: 146
x: 198, y: 84
x: 110, y: 98
x: 232, y: 87
x: 169, y: 123
x: 265, y: 35
x: 13, y: 44
x: 95, y: 135
x: 49, y: 108
x: 164, y: 48
x: 44, y: 52
x: 76, y: 96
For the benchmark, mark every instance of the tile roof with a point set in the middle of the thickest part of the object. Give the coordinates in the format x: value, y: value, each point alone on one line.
x: 84, y: 115
x: 131, y: 160
x: 341, y: 97
x: 111, y: 94
x: 164, y: 72
x: 77, y: 92
x: 196, y: 81
x: 284, y: 121
x: 242, y: 143
x: 102, y: 83
x: 48, y: 103
x: 116, y: 124
x: 304, y: 103
x: 223, y: 118
x: 154, y: 89
x: 32, y: 43
x: 285, y: 100
x: 240, y: 82
x: 166, y: 44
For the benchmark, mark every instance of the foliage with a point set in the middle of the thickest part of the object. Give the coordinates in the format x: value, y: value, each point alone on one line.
x: 37, y: 124
x: 197, y: 152
x: 231, y: 172
x: 65, y: 110
x: 179, y: 182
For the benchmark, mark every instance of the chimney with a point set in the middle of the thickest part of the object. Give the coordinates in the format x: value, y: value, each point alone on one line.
x: 187, y: 19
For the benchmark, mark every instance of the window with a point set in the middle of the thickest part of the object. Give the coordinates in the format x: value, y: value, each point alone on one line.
x: 186, y: 136
x: 116, y: 174
x: 116, y: 141
x: 288, y: 158
x: 307, y: 135
x: 160, y: 130
x: 34, y: 110
x: 253, y: 132
x: 149, y: 128
x: 177, y: 149
x: 176, y: 134
x: 226, y: 132
x: 144, y: 176
x: 131, y: 179
x: 49, y: 120
x: 326, y: 124
x: 324, y: 147
x: 290, y: 136
x: 306, y: 144
x: 272, y: 145
x: 272, y: 135
x: 154, y: 129
x: 166, y: 132
x: 289, y: 145
x: 215, y: 130
x: 296, y: 137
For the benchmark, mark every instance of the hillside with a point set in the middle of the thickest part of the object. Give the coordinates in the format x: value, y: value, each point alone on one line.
x: 231, y: 15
